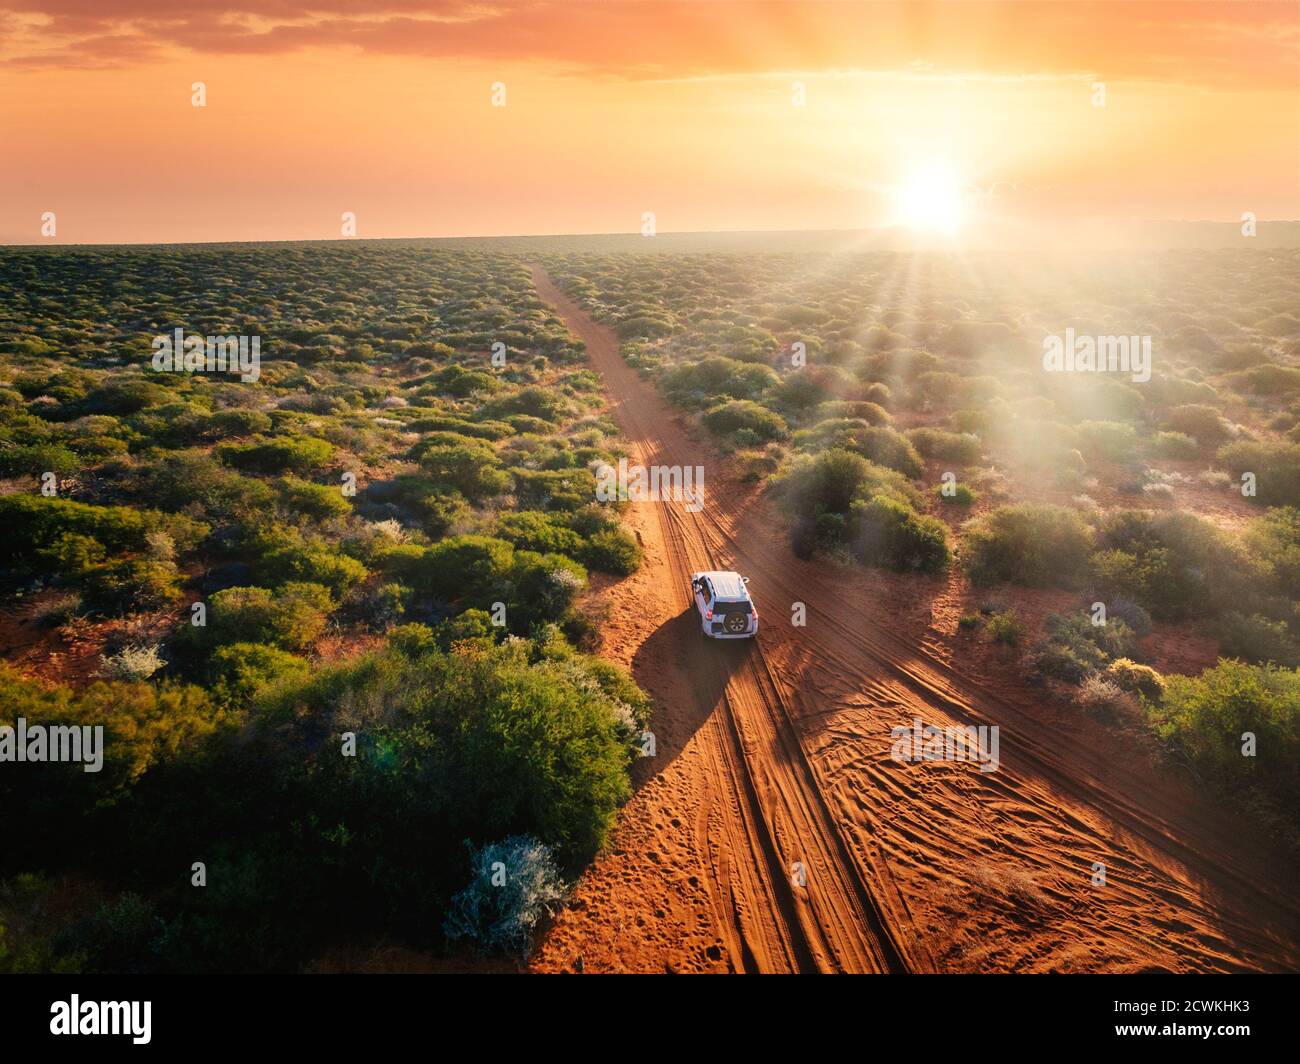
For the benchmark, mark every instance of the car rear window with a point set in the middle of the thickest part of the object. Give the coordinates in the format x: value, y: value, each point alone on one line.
x: 731, y: 607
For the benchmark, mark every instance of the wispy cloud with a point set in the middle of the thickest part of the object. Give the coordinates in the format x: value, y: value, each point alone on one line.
x: 1225, y: 45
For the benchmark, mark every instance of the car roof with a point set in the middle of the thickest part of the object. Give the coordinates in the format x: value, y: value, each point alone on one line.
x: 727, y: 585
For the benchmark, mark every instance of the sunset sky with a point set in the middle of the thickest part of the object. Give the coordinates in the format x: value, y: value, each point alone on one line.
x: 384, y: 108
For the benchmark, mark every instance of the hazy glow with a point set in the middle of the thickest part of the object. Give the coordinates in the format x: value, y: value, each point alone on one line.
x: 930, y: 198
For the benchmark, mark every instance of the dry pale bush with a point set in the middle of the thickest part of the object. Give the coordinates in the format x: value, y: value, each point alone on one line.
x: 160, y: 546
x: 133, y: 663
x: 1099, y: 695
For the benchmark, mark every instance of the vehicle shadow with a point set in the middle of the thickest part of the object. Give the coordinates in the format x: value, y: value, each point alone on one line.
x: 686, y: 674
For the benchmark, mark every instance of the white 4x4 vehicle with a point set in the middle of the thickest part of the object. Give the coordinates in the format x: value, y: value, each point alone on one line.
x: 725, y: 608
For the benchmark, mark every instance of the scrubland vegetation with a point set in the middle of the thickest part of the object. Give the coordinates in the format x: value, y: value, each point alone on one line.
x: 895, y: 407
x: 387, y: 534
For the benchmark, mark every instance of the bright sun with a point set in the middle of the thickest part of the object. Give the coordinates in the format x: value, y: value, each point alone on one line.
x: 930, y: 198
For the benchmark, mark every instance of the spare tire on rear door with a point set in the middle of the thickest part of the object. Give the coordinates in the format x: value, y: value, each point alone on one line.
x: 736, y: 623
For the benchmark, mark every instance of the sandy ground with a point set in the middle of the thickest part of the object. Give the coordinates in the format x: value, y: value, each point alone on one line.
x: 772, y: 831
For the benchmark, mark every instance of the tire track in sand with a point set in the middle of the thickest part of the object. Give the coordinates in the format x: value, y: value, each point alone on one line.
x: 825, y: 919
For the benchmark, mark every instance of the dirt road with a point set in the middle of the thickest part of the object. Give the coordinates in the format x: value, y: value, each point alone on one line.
x: 773, y: 832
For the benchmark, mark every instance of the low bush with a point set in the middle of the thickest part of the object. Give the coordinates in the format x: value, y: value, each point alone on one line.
x: 1136, y: 679
x: 1034, y: 544
x: 133, y: 663
x: 1202, y: 423
x: 746, y: 415
x: 1101, y: 697
x: 963, y: 448
x: 303, y: 563
x: 1176, y: 445
x: 284, y: 454
x: 1005, y: 627
x: 956, y: 494
x: 1255, y: 638
x: 1204, y: 719
x: 292, y: 617
x: 132, y: 584
x: 514, y: 884
x: 1276, y: 469
x: 885, y: 532
x: 612, y: 551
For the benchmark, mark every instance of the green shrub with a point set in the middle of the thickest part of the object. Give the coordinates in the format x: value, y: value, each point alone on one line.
x: 643, y: 325
x: 1005, y: 627
x: 34, y: 459
x: 471, y: 469
x: 545, y: 404
x: 1257, y: 639
x: 553, y: 489
x: 956, y: 495
x: 545, y: 587
x: 612, y: 551
x: 1176, y: 445
x: 1276, y: 467
x: 888, y: 448
x: 475, y: 625
x: 387, y: 604
x: 417, y: 640
x: 35, y: 522
x: 964, y: 448
x: 184, y: 478
x: 832, y: 480
x: 1075, y: 647
x: 1274, y: 540
x: 1114, y: 639
x: 1128, y: 611
x: 1111, y: 441
x: 717, y: 377
x: 320, y: 502
x: 71, y: 555
x: 299, y: 563
x: 747, y: 415
x: 464, y: 745
x: 1136, y: 679
x: 287, y: 454
x: 810, y: 385
x: 292, y: 617
x: 879, y: 444
x: 240, y: 671
x: 1202, y: 423
x: 225, y: 423
x: 1175, y: 564
x: 1030, y: 543
x: 473, y: 568
x: 1269, y: 379
x: 541, y: 532
x: 132, y: 584
x: 855, y: 410
x: 1205, y: 718
x: 888, y: 533
x: 1063, y: 662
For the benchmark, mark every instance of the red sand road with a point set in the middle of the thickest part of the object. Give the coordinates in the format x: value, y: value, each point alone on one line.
x: 772, y: 832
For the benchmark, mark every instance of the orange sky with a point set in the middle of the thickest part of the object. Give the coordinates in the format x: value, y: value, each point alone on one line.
x: 617, y: 108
